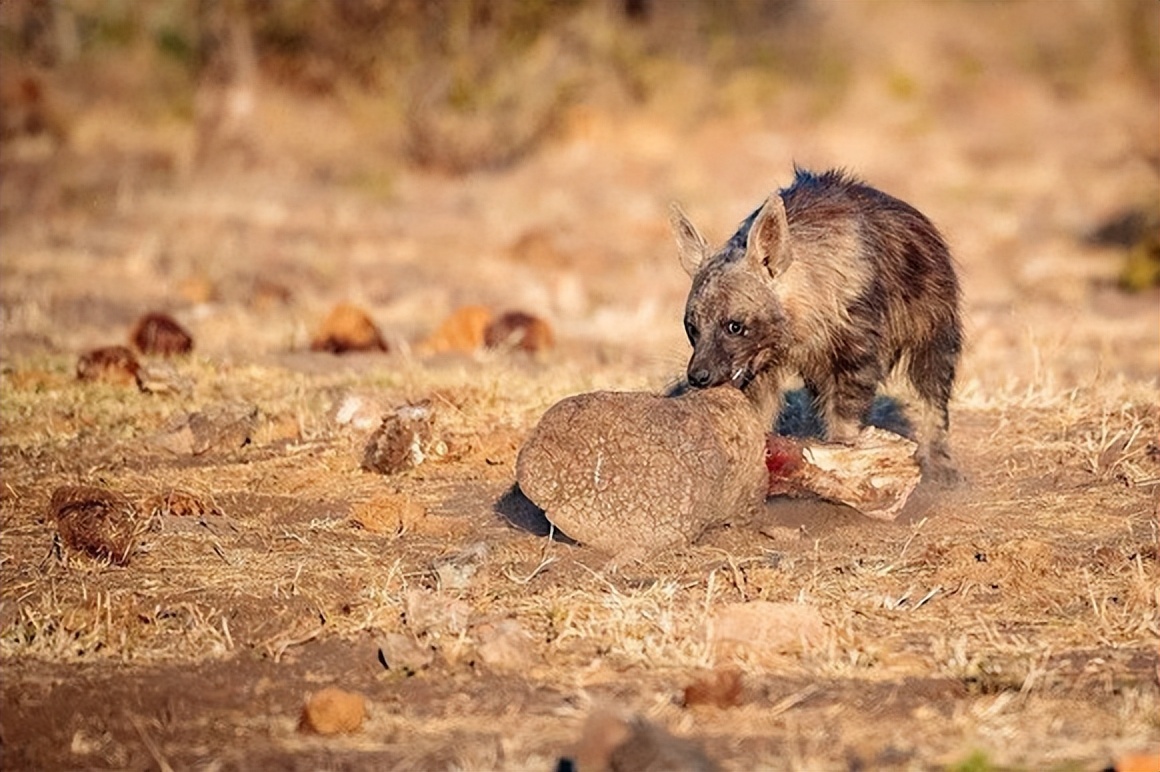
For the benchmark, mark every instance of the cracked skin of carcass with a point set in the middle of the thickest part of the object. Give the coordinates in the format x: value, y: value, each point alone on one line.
x: 631, y: 473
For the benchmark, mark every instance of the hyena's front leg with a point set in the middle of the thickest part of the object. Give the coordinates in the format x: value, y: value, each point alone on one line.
x: 845, y: 393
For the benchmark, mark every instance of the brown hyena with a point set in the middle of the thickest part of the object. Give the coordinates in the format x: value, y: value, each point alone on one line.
x: 839, y: 283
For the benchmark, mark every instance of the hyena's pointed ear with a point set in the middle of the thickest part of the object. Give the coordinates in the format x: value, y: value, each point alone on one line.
x: 691, y: 245
x: 768, y: 244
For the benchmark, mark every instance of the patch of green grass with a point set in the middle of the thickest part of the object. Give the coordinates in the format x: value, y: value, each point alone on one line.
x: 975, y: 761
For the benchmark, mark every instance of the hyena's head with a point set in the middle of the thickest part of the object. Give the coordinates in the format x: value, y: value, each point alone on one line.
x: 733, y: 316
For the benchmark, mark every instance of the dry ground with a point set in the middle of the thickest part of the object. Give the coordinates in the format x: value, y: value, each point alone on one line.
x: 1009, y: 623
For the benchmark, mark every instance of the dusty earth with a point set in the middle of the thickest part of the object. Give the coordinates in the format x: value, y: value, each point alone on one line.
x: 1011, y: 622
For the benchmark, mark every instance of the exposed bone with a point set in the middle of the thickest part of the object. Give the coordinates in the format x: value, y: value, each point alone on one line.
x: 875, y: 475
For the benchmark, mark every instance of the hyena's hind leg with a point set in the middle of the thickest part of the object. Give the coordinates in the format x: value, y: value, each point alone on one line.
x: 932, y: 372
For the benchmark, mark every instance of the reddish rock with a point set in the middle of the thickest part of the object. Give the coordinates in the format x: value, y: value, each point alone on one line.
x: 113, y: 364
x: 159, y: 334
x: 347, y: 328
x: 1138, y: 762
x: 179, y: 503
x: 462, y: 331
x: 719, y: 688
x: 519, y: 330
x: 404, y: 440
x: 333, y: 711
x: 389, y: 513
x: 96, y: 521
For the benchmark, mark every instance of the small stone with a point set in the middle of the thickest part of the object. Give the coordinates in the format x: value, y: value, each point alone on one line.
x: 219, y: 427
x: 359, y: 411
x: 462, y: 331
x: 96, y: 521
x: 159, y: 334
x: 333, y: 711
x: 538, y: 247
x: 519, y: 330
x: 267, y: 294
x: 158, y: 377
x: 455, y: 571
x: 1138, y: 762
x: 613, y: 741
x: 197, y: 290
x: 401, y: 653
x: 389, y: 513
x: 719, y: 688
x: 178, y: 503
x: 504, y: 646
x: 763, y: 631
x: 402, y: 441
x: 428, y: 612
x: 347, y: 328
x: 112, y: 364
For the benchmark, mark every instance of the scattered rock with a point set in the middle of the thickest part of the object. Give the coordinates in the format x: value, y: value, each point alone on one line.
x: 219, y: 427
x: 719, y: 688
x: 519, y: 330
x: 347, y: 328
x: 537, y: 247
x: 462, y: 331
x: 113, y: 364
x: 403, y: 654
x: 1138, y: 762
x: 762, y: 631
x: 179, y: 503
x: 504, y: 646
x: 875, y: 476
x: 360, y: 411
x: 197, y: 290
x: 267, y: 294
x: 159, y: 334
x: 96, y: 521
x: 333, y: 711
x: 428, y: 612
x: 614, y: 741
x: 159, y: 377
x: 635, y: 472
x: 455, y: 571
x: 404, y: 440
x: 389, y: 513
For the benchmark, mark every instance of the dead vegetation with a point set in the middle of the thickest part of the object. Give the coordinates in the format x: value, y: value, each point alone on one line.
x: 1012, y: 622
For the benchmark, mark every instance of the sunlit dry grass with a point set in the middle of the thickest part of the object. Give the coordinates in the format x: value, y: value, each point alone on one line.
x: 1013, y: 619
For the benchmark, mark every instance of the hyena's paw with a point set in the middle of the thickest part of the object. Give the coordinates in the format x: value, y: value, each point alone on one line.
x: 939, y: 469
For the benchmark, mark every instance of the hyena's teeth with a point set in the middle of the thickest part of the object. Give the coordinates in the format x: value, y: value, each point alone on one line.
x: 738, y: 374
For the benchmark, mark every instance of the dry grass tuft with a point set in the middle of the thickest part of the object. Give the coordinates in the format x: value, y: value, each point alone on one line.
x: 1011, y: 622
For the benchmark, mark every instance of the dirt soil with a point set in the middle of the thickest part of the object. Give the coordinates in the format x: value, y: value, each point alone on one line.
x: 1010, y: 622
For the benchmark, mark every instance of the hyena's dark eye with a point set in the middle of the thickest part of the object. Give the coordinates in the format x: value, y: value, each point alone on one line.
x: 734, y: 327
x: 691, y: 331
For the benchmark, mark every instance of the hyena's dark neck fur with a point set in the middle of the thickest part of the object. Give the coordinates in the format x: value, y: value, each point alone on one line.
x: 852, y: 283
